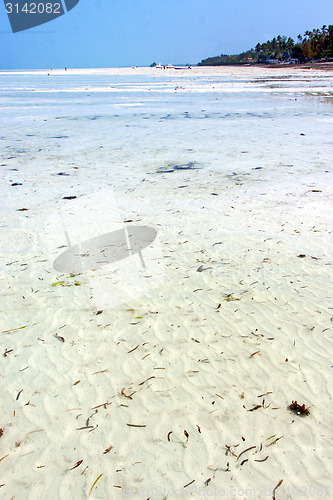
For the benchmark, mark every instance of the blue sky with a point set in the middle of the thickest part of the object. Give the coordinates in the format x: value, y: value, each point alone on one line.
x: 105, y: 33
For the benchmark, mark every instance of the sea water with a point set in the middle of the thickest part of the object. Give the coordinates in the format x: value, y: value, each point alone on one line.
x: 132, y: 121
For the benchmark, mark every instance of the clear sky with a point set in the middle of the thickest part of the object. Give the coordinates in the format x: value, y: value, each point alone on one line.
x: 106, y: 33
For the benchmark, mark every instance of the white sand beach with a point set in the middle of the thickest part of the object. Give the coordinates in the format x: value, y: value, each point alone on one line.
x: 168, y: 371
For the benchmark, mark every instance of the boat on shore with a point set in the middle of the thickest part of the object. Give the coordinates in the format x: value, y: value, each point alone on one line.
x: 168, y: 66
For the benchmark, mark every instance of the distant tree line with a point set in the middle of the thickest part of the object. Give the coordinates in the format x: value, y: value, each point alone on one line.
x: 225, y: 59
x: 313, y: 46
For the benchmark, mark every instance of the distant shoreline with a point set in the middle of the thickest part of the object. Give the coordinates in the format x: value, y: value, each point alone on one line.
x: 315, y: 65
x: 307, y: 65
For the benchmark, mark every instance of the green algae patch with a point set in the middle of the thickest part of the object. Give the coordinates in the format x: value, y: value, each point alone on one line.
x: 64, y: 283
x: 57, y: 283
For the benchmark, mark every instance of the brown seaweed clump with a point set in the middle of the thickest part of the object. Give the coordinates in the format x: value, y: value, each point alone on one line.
x: 298, y: 409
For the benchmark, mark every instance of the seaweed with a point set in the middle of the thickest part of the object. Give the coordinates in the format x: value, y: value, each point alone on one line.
x: 255, y: 408
x: 299, y: 409
x: 56, y: 283
x: 125, y: 395
x: 133, y: 349
x: 107, y: 450
x: 275, y: 441
x: 19, y: 328
x: 229, y: 449
x: 202, y: 268
x: 257, y: 352
x: 19, y: 394
x: 149, y: 378
x: 281, y: 480
x: 188, y: 484
x: 99, y: 406
x: 99, y: 477
x: 59, y: 337
x: 229, y: 297
x: 62, y: 283
x: 247, y: 449
x: 77, y: 464
x: 263, y: 460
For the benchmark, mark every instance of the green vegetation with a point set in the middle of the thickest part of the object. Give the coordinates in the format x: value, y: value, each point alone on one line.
x: 244, y: 57
x: 315, y: 45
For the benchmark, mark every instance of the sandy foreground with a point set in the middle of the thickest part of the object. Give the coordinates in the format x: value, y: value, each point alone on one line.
x: 183, y: 391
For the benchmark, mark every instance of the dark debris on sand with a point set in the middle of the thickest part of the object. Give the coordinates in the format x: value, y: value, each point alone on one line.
x: 173, y: 167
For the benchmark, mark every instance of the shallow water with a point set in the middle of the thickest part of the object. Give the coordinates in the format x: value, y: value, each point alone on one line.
x: 222, y: 121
